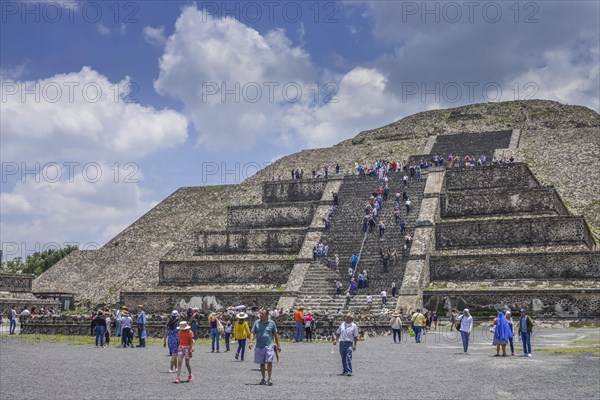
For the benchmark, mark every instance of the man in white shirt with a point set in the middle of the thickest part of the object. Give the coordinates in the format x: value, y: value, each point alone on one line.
x: 369, y: 301
x: 347, y: 334
x: 383, y: 296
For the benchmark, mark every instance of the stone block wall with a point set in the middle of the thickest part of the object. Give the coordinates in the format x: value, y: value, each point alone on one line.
x: 286, y: 191
x: 540, y: 304
x: 223, y: 272
x: 512, y: 232
x: 270, y: 216
x: 495, y: 176
x: 482, y: 202
x: 475, y: 144
x: 15, y: 283
x: 252, y: 241
x: 164, y: 302
x: 6, y: 304
x: 582, y: 265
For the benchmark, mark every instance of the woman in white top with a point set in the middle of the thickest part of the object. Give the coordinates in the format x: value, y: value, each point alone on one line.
x: 466, y: 326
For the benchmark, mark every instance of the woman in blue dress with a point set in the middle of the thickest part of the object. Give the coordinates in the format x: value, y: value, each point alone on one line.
x: 171, y: 337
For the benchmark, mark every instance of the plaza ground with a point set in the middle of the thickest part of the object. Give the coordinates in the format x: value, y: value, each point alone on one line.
x: 565, y: 364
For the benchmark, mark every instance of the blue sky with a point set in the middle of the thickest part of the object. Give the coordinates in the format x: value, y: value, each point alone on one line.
x: 298, y: 74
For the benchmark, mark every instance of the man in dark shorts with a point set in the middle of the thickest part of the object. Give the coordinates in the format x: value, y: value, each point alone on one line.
x: 265, y: 332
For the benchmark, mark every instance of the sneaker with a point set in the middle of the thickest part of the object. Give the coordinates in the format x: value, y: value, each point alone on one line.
x: 177, y: 380
x: 263, y: 382
x: 269, y: 382
x: 349, y: 374
x: 529, y: 355
x: 237, y: 355
x: 190, y: 378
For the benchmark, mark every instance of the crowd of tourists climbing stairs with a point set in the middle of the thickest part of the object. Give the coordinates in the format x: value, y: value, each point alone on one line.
x: 346, y: 237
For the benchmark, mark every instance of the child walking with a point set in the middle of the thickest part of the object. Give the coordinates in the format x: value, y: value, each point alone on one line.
x: 185, y: 350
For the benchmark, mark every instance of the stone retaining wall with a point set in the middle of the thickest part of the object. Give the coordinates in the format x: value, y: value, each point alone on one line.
x: 270, y: 217
x: 583, y: 265
x: 18, y: 304
x: 15, y: 282
x: 223, y: 272
x: 480, y: 202
x: 574, y: 303
x: 164, y: 302
x: 512, y: 176
x: 512, y: 232
x: 251, y: 241
x: 474, y: 144
x: 284, y: 191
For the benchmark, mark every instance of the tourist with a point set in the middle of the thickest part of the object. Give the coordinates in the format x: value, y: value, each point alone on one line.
x: 171, y: 337
x: 369, y: 302
x: 185, y: 350
x: 361, y: 280
x: 383, y: 296
x: 350, y: 272
x: 241, y: 331
x: 434, y: 318
x: 381, y: 229
x: 299, y: 319
x: 348, y: 297
x: 353, y: 287
x: 338, y: 288
x: 141, y: 323
x: 315, y: 253
x: 465, y: 322
x: 396, y: 325
x: 354, y: 261
x: 407, y: 204
x: 23, y: 319
x: 126, y: 333
x: 12, y: 320
x: 417, y: 321
x: 501, y: 333
x: 453, y: 316
x: 100, y: 323
x: 394, y: 290
x: 228, y: 328
x: 216, y: 327
x: 118, y: 323
x: 337, y: 263
x: 402, y: 228
x: 511, y: 326
x: 107, y: 330
x: 525, y: 329
x: 265, y: 332
x: 366, y: 278
x: 309, y: 323
x: 347, y: 335
x: 193, y: 321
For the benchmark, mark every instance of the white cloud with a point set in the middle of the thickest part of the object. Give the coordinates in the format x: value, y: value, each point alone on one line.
x: 82, y: 116
x: 155, y: 36
x: 83, y: 209
x: 103, y: 29
x: 208, y: 61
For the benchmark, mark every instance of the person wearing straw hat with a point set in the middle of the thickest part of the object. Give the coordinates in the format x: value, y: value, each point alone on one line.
x: 185, y: 350
x: 241, y: 331
x: 126, y: 333
x: 265, y: 332
x: 396, y: 325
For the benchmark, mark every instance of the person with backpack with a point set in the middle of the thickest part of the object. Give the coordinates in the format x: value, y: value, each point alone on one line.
x: 309, y: 320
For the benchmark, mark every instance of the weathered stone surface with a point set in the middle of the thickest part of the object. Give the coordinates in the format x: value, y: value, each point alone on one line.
x: 489, y: 202
x: 581, y: 265
x: 475, y: 144
x: 187, y: 273
x: 296, y: 190
x: 15, y: 282
x: 512, y: 232
x: 165, y: 301
x: 251, y: 241
x: 492, y: 176
x: 273, y: 216
x: 539, y: 303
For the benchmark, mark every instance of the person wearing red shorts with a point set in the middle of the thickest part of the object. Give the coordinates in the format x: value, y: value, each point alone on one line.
x: 185, y: 350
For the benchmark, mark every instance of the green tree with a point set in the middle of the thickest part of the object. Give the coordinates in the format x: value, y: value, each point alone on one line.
x: 37, y: 262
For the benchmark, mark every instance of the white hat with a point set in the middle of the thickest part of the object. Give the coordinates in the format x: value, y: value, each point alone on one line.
x: 174, y: 313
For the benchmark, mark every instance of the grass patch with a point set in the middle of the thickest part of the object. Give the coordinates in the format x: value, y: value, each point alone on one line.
x: 587, y: 341
x: 595, y: 351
